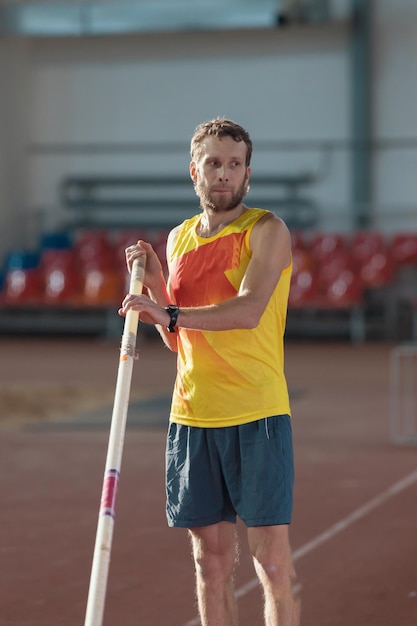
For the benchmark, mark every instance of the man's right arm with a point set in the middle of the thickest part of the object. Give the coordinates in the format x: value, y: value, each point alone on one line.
x: 154, y: 281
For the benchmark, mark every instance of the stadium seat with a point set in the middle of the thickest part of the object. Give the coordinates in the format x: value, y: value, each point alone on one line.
x: 61, y: 276
x: 304, y: 289
x: 373, y: 258
x: 301, y: 260
x: 102, y: 285
x: 124, y: 239
x: 95, y: 246
x: 404, y: 248
x: 339, y: 284
x: 55, y: 240
x: 298, y: 241
x: 159, y: 245
x: 365, y: 243
x: 377, y: 270
x: 22, y: 282
x: 324, y: 245
x: 345, y: 290
x: 330, y: 267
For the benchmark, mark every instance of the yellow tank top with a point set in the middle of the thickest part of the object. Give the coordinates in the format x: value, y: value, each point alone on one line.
x: 230, y: 377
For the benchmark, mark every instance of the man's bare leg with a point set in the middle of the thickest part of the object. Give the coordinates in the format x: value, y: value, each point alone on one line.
x: 272, y: 558
x: 214, y: 552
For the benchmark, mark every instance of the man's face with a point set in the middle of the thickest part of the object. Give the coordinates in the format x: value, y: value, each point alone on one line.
x: 220, y: 174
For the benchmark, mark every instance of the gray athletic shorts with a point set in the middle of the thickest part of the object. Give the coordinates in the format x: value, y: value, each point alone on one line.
x: 215, y: 474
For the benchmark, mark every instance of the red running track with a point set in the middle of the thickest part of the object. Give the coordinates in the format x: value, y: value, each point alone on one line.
x: 354, y: 530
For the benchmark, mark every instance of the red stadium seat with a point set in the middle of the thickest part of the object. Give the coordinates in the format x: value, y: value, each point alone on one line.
x: 61, y: 276
x: 303, y: 289
x: 404, y: 248
x: 377, y: 270
x: 364, y: 244
x: 23, y: 286
x: 159, y: 245
x: 127, y: 238
x: 339, y: 285
x: 102, y: 281
x: 102, y: 286
x: 345, y: 290
x: 298, y: 241
x: 325, y: 245
x: 332, y: 266
x: 301, y: 260
x: 94, y: 246
x: 372, y: 258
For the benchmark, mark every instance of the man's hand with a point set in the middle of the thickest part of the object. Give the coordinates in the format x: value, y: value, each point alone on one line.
x: 153, y: 271
x: 149, y: 311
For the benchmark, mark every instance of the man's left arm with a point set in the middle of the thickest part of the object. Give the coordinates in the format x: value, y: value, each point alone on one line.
x: 271, y: 253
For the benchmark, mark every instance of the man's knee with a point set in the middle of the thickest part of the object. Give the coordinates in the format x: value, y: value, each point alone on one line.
x: 214, y: 553
x: 277, y: 575
x: 212, y: 568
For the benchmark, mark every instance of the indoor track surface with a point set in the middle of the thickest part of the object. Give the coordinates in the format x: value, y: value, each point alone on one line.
x: 354, y: 532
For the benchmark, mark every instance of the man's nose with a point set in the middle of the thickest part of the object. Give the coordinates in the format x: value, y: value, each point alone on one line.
x: 223, y: 175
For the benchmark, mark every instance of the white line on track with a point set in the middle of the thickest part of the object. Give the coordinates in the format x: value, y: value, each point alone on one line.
x: 334, y: 530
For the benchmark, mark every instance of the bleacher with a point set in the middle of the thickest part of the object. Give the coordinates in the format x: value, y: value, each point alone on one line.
x: 72, y: 284
x: 359, y: 285
x: 74, y: 278
x: 363, y: 284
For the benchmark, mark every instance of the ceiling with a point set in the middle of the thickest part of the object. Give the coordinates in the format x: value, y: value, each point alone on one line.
x: 65, y: 18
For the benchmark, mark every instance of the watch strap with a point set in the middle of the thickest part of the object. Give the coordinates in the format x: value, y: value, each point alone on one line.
x: 172, y: 311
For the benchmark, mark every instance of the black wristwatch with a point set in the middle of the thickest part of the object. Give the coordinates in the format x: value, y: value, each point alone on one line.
x: 173, y: 311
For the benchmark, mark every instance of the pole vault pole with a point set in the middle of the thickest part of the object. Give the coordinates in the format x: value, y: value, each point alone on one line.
x: 104, y: 536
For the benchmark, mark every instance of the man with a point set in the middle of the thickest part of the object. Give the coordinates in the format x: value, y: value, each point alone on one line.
x: 229, y: 445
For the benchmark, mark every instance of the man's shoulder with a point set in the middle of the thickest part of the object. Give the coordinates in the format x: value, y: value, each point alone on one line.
x: 181, y: 229
x: 270, y: 233
x: 269, y: 219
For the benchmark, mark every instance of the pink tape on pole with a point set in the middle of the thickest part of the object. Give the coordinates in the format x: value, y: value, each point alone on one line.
x: 108, y: 496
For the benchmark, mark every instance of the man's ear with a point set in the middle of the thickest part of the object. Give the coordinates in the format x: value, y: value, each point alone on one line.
x: 193, y: 172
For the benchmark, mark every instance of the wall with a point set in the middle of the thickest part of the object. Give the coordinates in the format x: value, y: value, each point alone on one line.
x: 15, y: 101
x: 135, y: 90
x: 395, y: 113
x: 89, y: 105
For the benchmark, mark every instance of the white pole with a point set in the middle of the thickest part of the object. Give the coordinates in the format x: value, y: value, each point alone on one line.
x: 102, y: 548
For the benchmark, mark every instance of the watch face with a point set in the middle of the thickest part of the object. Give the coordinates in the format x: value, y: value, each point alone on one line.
x: 173, y: 311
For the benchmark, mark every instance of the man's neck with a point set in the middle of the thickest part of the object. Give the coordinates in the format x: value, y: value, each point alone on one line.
x: 212, y: 222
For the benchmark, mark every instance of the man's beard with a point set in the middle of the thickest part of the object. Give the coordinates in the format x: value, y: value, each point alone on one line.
x: 223, y: 203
